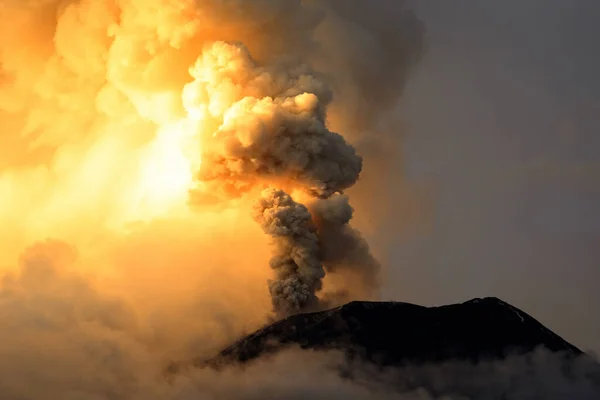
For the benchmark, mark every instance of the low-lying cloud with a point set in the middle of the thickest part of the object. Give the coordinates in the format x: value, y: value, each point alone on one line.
x: 63, y: 338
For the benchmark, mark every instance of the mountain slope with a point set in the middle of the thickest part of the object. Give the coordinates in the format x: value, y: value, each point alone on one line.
x: 394, y: 333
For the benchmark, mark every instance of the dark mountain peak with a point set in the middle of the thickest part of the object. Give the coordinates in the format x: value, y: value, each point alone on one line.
x: 393, y: 333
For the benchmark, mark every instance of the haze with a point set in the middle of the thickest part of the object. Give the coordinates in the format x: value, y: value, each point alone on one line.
x: 504, y: 126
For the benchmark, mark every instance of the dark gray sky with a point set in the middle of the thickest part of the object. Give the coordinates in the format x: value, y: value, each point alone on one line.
x: 505, y: 124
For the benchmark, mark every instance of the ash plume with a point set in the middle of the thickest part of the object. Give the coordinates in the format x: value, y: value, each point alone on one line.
x: 169, y: 103
x: 295, y: 260
x: 269, y: 127
x: 105, y: 132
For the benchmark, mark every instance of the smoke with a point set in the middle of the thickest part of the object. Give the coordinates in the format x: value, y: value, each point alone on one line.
x: 296, y: 260
x: 344, y: 251
x: 268, y: 125
x: 153, y: 107
x: 139, y: 134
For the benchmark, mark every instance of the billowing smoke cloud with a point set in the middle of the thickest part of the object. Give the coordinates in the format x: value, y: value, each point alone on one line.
x: 149, y: 93
x: 295, y: 260
x: 108, y: 110
x: 270, y: 128
x: 271, y: 125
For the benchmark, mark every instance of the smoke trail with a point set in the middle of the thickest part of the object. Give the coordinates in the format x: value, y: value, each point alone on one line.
x: 295, y: 260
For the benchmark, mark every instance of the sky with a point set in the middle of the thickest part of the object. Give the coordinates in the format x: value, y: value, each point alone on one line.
x: 503, y: 115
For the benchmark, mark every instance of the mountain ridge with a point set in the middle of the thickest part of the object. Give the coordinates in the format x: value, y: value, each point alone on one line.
x: 396, y: 333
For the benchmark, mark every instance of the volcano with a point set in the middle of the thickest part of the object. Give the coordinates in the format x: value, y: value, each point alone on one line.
x: 396, y: 333
x: 480, y: 349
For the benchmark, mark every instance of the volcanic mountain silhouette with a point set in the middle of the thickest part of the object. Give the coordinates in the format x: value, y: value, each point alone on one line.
x: 395, y: 333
